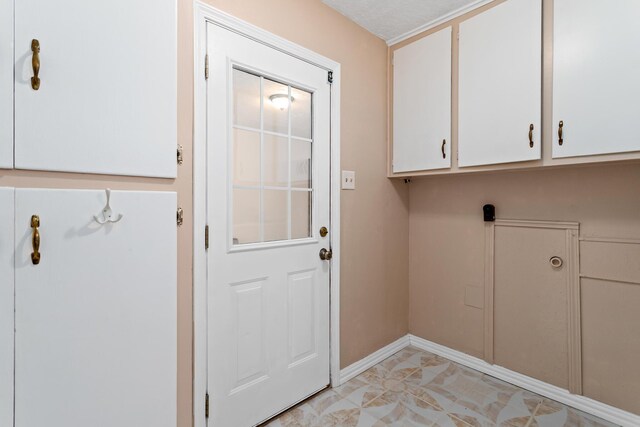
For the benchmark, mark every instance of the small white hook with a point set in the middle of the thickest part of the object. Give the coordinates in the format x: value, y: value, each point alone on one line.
x: 107, y: 213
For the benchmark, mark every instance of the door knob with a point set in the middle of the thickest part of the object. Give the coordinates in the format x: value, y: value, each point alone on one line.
x: 326, y: 255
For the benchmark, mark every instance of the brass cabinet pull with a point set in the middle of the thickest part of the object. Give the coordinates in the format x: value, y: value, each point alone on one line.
x: 560, y: 138
x: 444, y: 142
x: 531, y: 135
x: 35, y: 256
x: 35, y: 62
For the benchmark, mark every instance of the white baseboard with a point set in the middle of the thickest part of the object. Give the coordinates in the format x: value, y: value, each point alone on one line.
x: 590, y: 406
x: 362, y: 365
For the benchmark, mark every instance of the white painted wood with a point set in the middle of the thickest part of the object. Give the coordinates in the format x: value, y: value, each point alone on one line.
x: 96, y: 319
x: 422, y: 104
x: 590, y: 406
x: 373, y: 359
x: 204, y: 13
x: 595, y: 76
x: 500, y: 84
x: 6, y: 84
x: 6, y: 306
x: 107, y: 100
x: 268, y: 306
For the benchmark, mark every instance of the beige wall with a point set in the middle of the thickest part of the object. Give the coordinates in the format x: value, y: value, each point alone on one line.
x: 374, y: 217
x: 447, y: 256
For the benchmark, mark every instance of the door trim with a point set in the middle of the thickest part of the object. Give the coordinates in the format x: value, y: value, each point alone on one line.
x: 573, y: 292
x: 204, y: 14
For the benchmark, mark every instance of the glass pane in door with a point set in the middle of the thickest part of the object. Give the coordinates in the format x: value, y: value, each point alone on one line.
x: 272, y: 150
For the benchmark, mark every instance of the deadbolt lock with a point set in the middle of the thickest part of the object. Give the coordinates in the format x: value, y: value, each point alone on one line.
x: 324, y: 232
x: 326, y: 255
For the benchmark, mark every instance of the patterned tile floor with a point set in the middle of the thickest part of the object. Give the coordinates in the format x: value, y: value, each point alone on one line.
x: 417, y: 388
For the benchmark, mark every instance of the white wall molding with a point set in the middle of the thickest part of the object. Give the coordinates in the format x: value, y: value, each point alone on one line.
x: 362, y: 365
x: 441, y: 20
x: 590, y: 406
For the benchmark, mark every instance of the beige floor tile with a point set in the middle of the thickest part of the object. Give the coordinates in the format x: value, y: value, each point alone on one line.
x: 415, y: 388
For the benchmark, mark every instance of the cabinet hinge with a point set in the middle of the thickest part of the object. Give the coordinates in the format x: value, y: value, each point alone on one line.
x: 330, y: 77
x: 179, y: 217
x: 206, y: 67
x: 206, y: 237
x: 179, y: 154
x: 206, y: 405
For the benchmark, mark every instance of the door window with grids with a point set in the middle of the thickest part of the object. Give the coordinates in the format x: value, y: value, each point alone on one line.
x: 271, y: 151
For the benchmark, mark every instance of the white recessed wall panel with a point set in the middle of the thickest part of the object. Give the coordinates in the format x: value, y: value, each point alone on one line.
x: 422, y: 104
x: 96, y: 319
x: 596, y: 62
x: 6, y: 306
x: 6, y: 84
x: 107, y: 97
x: 500, y: 84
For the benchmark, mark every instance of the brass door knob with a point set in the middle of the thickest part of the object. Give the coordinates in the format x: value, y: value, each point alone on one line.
x: 326, y: 255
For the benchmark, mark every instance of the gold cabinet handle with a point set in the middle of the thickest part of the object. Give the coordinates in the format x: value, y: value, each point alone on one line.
x: 35, y: 62
x: 560, y: 132
x: 531, y: 135
x: 444, y: 142
x: 35, y: 255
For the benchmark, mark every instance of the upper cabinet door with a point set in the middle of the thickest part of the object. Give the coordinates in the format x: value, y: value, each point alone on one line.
x: 6, y: 84
x: 106, y: 101
x: 422, y: 104
x: 596, y: 63
x: 500, y: 84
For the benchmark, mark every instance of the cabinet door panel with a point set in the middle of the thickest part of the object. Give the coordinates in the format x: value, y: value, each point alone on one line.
x: 596, y: 62
x: 422, y: 104
x: 6, y: 84
x: 500, y: 84
x: 107, y: 97
x: 96, y: 318
x: 6, y: 306
x: 530, y: 303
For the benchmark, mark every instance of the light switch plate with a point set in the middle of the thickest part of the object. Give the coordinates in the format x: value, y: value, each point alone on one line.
x: 348, y: 180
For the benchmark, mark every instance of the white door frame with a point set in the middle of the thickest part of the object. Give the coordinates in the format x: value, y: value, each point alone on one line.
x: 204, y: 14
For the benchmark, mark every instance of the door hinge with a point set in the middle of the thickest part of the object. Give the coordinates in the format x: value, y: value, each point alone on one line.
x: 179, y: 155
x: 330, y: 77
x: 179, y: 217
x: 206, y: 237
x: 206, y: 405
x: 206, y: 67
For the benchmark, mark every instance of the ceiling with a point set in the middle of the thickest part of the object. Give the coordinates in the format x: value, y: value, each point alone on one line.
x: 394, y: 20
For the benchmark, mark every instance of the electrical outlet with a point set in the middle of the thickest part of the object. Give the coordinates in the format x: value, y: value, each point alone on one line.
x: 348, y: 180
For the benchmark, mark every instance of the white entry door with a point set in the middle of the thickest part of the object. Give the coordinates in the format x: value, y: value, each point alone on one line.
x: 268, y: 197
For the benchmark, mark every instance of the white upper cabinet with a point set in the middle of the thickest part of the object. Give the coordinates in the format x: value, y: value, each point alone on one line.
x: 596, y: 89
x: 500, y: 89
x: 6, y: 84
x: 106, y: 101
x: 422, y: 104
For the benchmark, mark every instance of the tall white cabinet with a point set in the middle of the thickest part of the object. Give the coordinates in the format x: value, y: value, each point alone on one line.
x: 95, y: 86
x: 596, y: 63
x: 500, y: 88
x: 6, y: 84
x: 6, y: 306
x: 95, y: 318
x: 422, y: 104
